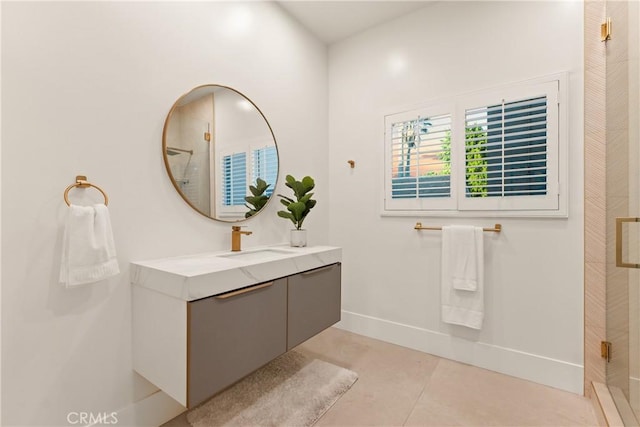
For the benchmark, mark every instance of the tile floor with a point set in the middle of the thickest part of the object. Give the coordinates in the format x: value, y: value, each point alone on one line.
x: 402, y: 387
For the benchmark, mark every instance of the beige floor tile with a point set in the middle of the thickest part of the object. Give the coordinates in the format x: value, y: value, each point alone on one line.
x: 399, y: 386
x: 459, y: 394
x: 391, y: 378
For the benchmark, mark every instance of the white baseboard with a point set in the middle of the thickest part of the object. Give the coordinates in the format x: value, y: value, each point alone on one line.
x: 552, y: 372
x: 152, y: 411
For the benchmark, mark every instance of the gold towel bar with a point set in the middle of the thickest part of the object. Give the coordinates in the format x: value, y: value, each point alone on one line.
x: 81, y: 182
x: 496, y: 228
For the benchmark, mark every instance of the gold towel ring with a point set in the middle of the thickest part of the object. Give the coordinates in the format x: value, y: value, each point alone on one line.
x: 81, y: 182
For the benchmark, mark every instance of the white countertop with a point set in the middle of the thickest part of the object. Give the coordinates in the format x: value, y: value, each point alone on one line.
x: 192, y: 277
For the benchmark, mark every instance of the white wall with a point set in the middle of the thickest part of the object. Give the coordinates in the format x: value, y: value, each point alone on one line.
x: 86, y: 87
x: 534, y: 268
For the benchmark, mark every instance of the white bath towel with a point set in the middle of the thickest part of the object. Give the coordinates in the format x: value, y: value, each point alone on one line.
x: 462, y: 289
x: 88, y: 250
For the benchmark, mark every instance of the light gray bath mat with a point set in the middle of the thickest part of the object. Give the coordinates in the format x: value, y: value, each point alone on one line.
x: 292, y: 390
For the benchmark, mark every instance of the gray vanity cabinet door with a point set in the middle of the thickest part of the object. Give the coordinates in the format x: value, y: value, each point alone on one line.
x: 229, y: 336
x: 314, y: 303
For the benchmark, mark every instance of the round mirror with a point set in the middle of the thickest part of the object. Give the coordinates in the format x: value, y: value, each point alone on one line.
x: 220, y: 153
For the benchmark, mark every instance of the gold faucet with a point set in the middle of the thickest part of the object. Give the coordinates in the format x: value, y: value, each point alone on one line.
x: 236, y: 233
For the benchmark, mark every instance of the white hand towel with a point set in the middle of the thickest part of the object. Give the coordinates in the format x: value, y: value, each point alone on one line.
x: 462, y: 290
x: 464, y: 247
x: 88, y: 250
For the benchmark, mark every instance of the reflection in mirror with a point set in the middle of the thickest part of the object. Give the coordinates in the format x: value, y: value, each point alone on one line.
x: 218, y: 150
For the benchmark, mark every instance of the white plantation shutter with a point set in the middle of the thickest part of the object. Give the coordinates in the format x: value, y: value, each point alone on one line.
x: 418, y: 164
x: 510, y: 158
x: 496, y: 151
x: 232, y: 185
x: 237, y: 171
x: 265, y: 166
x: 234, y: 182
x: 506, y: 149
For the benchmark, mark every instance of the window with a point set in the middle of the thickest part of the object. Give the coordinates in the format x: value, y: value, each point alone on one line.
x: 265, y: 166
x: 234, y: 181
x: 240, y: 169
x: 419, y: 162
x: 494, y: 151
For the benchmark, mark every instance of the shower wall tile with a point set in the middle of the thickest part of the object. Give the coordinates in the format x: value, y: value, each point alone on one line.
x: 595, y: 298
x: 595, y: 99
x: 617, y: 169
x: 617, y: 90
x: 634, y: 338
x: 616, y: 207
x: 634, y: 32
x: 594, y: 364
x: 595, y: 172
x: 595, y: 320
x: 595, y: 230
x: 618, y: 46
x: 594, y: 15
x: 618, y: 367
x: 617, y: 297
x: 634, y: 136
x: 634, y: 86
x: 618, y: 326
x: 595, y: 193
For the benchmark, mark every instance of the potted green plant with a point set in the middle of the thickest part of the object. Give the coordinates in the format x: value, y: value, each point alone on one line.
x: 298, y: 208
x: 258, y: 200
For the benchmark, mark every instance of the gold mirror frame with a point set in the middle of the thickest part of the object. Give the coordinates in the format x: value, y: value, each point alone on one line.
x: 209, y: 145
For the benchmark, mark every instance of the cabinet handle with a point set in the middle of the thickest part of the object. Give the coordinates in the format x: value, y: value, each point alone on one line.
x: 318, y: 270
x: 619, y: 261
x: 244, y: 291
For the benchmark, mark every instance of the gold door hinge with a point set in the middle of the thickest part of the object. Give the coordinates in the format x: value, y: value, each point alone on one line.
x: 605, y: 350
x: 605, y: 30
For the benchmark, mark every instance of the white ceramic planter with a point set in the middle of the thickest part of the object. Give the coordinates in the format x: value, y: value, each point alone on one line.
x: 299, y: 238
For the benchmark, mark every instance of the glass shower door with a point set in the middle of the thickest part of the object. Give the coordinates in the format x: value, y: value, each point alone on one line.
x: 633, y: 69
x: 623, y: 207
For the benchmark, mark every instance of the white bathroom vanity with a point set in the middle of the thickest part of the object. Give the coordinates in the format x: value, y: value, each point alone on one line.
x: 202, y: 322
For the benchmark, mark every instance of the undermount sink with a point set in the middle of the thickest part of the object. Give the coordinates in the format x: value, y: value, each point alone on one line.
x: 258, y: 254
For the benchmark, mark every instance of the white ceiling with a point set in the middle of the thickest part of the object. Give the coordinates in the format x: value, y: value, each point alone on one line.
x: 332, y: 21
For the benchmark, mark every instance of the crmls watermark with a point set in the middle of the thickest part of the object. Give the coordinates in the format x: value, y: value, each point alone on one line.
x: 91, y: 418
